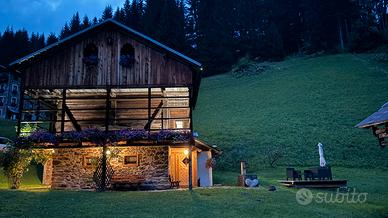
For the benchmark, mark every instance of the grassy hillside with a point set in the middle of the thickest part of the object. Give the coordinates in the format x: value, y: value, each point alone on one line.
x: 291, y: 107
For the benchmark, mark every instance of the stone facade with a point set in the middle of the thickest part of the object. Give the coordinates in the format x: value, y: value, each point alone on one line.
x: 71, y: 167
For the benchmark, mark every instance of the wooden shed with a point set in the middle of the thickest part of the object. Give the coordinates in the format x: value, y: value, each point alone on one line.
x: 378, y: 122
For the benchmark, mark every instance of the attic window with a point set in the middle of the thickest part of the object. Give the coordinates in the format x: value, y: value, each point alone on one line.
x: 127, y: 55
x: 90, y: 54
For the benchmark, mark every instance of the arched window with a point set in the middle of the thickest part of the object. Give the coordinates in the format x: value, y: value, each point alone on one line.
x: 90, y: 54
x: 127, y: 55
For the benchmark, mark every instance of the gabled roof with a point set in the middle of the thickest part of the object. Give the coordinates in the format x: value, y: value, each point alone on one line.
x: 111, y: 22
x: 377, y: 118
x: 203, y: 145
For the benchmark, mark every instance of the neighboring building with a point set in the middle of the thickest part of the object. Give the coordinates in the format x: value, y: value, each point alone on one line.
x: 112, y: 78
x: 378, y: 122
x: 9, y: 94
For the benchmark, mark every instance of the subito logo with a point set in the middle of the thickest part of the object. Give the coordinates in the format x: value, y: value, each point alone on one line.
x: 304, y: 196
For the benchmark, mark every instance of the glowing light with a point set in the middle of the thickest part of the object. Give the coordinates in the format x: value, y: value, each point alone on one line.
x: 179, y: 124
x: 108, y: 152
x: 186, y: 151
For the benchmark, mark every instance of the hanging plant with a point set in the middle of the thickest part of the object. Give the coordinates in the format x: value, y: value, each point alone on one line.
x: 211, y: 163
x: 90, y: 60
x: 127, y: 60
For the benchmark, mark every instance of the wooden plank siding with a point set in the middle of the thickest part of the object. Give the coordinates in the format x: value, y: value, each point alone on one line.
x: 65, y: 67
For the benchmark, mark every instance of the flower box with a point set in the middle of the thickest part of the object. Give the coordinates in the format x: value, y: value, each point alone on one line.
x: 88, y: 144
x: 43, y: 144
x: 90, y: 60
x: 127, y: 60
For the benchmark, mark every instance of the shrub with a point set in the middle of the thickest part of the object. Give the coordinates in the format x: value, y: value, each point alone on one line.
x: 273, y: 154
x: 15, y: 162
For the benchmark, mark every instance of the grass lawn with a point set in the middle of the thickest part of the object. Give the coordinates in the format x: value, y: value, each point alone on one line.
x: 215, y: 202
x: 293, y: 106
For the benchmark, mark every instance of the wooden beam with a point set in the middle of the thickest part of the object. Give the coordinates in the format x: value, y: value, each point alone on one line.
x: 107, y: 109
x: 63, y: 110
x: 191, y: 143
x: 149, y: 109
x: 105, y: 148
x: 21, y: 103
x: 153, y: 116
x: 76, y: 126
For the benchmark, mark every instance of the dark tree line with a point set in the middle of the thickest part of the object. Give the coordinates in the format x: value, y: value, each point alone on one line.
x: 219, y: 32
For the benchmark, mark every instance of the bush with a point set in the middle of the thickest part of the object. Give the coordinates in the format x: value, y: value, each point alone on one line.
x: 15, y: 163
x: 273, y: 154
x: 365, y: 39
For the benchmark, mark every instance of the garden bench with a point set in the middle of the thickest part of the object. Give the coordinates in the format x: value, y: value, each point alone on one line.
x: 127, y: 181
x: 321, y: 173
x: 293, y: 174
x: 173, y: 183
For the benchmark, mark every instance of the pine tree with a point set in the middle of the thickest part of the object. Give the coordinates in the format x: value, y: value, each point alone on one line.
x: 136, y: 13
x: 191, y: 24
x: 215, y: 35
x: 170, y: 29
x: 21, y: 44
x: 65, y: 32
x: 152, y: 16
x: 127, y: 13
x: 95, y: 21
x: 52, y: 38
x: 85, y: 22
x: 7, y: 40
x: 107, y: 13
x: 75, y: 23
x: 119, y: 15
x: 272, y: 43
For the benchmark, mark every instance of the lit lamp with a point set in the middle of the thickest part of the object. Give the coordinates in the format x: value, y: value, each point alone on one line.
x: 108, y: 152
x: 186, y: 160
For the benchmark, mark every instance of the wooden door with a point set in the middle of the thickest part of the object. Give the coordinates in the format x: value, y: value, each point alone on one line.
x: 179, y: 171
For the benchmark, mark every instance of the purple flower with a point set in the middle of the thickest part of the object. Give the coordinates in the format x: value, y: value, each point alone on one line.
x: 131, y: 134
x: 43, y: 137
x: 173, y: 135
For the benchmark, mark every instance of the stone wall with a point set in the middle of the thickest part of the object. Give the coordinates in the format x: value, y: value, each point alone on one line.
x: 71, y: 171
x: 48, y: 172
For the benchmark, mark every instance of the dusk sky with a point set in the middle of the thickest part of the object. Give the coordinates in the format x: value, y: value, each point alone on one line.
x: 45, y: 16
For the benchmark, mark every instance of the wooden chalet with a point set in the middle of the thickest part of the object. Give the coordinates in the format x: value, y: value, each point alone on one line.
x: 378, y: 122
x: 112, y: 78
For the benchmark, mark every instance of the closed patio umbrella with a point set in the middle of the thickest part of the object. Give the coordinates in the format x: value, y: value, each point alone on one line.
x: 322, y: 161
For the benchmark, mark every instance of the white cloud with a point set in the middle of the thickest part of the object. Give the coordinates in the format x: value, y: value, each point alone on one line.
x: 53, y: 4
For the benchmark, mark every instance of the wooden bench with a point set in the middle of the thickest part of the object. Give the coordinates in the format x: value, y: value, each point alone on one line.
x: 320, y: 173
x: 293, y: 174
x: 173, y: 183
x: 127, y: 181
